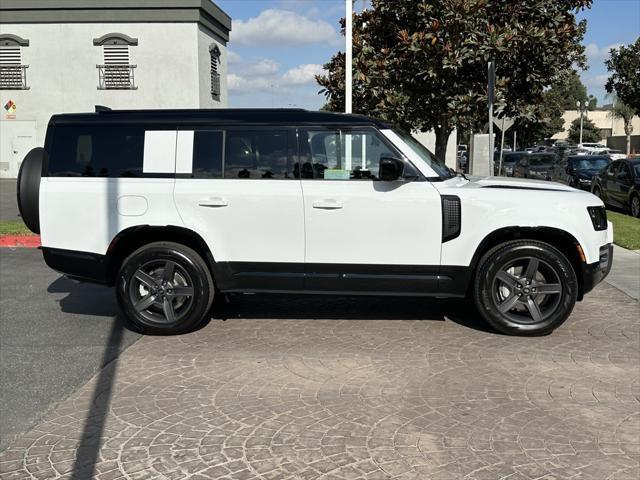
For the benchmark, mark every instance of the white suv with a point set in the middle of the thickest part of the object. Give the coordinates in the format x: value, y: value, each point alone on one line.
x: 173, y: 207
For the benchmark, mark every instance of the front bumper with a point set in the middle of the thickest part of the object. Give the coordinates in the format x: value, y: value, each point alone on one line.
x: 594, y: 273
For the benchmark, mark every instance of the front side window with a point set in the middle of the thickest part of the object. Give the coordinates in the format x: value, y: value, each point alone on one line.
x: 341, y: 154
x: 437, y: 165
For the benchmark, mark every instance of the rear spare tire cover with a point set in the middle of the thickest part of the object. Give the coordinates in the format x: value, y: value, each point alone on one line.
x: 29, y: 188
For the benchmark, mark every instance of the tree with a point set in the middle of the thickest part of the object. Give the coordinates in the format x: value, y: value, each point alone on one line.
x: 626, y: 114
x: 422, y: 64
x: 590, y: 133
x: 624, y: 63
x: 561, y: 96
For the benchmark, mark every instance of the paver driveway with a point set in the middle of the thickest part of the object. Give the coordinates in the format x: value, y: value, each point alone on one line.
x: 371, y: 388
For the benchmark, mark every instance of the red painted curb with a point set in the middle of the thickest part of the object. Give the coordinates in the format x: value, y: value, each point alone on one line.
x: 21, y: 241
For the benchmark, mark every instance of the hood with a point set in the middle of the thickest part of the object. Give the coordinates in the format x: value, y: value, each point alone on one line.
x: 519, y: 184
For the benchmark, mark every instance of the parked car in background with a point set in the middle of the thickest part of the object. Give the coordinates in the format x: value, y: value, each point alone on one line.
x: 535, y: 165
x: 578, y: 170
x: 509, y: 161
x: 619, y: 185
x: 590, y: 147
x: 610, y: 153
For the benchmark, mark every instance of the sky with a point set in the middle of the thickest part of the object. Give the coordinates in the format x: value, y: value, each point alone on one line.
x: 278, y: 46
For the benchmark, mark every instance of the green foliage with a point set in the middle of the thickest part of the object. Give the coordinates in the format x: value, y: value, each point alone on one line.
x: 423, y: 64
x: 590, y: 133
x: 624, y: 63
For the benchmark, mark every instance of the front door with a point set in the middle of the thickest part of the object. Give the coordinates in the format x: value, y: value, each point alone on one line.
x: 363, y: 234
x: 236, y: 187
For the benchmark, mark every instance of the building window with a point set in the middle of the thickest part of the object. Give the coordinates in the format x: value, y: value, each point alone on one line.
x: 214, y: 52
x: 13, y: 73
x: 116, y: 72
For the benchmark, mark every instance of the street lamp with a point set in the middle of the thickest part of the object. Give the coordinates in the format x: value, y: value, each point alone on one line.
x: 582, y: 107
x: 348, y: 64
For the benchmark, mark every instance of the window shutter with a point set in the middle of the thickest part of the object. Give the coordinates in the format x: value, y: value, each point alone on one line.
x: 116, y: 54
x: 215, y: 76
x: 10, y: 55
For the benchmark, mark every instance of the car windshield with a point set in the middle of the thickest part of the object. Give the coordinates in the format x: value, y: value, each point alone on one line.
x: 423, y: 152
x: 590, y: 163
x: 512, y: 158
x: 539, y: 162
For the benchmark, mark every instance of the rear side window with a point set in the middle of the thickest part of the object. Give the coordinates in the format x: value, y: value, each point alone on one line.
x: 97, y: 151
x: 207, y: 154
x: 257, y: 154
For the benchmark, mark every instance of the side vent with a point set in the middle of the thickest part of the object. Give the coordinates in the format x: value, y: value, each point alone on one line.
x: 451, y: 217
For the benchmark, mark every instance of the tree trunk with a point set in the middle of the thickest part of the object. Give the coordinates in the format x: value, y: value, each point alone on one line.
x: 628, y: 129
x: 442, y: 138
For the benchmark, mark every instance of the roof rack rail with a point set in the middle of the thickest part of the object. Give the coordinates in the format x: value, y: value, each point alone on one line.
x: 102, y: 108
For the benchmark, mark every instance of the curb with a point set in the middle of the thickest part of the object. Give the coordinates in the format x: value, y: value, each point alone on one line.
x: 20, y: 241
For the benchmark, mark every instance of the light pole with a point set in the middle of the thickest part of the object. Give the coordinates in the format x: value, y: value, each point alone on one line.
x: 582, y: 107
x: 348, y: 63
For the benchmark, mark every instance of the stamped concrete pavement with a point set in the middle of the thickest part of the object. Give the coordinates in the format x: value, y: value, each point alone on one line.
x: 365, y: 388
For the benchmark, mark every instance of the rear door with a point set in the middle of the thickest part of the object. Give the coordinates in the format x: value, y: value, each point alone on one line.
x: 235, y: 186
x: 363, y: 234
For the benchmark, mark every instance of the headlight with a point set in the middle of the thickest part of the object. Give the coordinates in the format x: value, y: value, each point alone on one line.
x: 584, y: 181
x: 598, y: 217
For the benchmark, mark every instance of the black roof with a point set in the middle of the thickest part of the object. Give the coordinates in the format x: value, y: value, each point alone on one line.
x: 219, y: 116
x: 587, y: 157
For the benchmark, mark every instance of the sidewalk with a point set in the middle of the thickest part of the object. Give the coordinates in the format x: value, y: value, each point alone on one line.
x: 625, y: 272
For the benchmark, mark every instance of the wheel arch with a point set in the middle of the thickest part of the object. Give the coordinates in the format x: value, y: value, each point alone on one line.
x: 132, y: 238
x: 560, y: 239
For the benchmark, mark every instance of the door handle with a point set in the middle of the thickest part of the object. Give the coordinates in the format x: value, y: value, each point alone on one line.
x: 327, y: 204
x: 213, y: 202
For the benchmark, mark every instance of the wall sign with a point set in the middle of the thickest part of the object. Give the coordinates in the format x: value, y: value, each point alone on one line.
x: 10, y: 107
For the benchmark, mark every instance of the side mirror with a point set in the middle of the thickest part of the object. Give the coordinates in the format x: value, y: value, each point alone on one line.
x: 390, y: 169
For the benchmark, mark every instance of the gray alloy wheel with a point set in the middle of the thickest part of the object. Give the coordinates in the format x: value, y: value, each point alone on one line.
x: 165, y: 288
x: 525, y: 287
x: 635, y: 206
x: 527, y: 290
x: 161, y: 291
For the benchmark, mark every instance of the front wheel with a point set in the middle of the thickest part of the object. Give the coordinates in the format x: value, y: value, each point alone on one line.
x: 165, y: 288
x: 525, y: 287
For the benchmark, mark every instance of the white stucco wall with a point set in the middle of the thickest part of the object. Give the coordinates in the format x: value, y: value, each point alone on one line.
x: 172, y: 71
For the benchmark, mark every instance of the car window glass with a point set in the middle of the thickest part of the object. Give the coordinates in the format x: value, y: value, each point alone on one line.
x: 207, y: 154
x: 623, y: 171
x: 256, y: 154
x: 97, y: 151
x: 342, y: 154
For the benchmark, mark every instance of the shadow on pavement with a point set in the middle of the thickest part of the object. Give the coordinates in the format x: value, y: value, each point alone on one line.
x: 305, y: 307
x: 85, y: 298
x: 90, y: 440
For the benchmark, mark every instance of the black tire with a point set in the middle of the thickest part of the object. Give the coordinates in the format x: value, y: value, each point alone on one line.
x: 165, y: 288
x: 28, y: 188
x: 515, y: 307
x: 634, y: 205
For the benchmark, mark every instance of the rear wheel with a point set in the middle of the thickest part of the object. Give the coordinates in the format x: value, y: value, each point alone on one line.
x: 525, y: 287
x: 165, y: 288
x: 635, y: 206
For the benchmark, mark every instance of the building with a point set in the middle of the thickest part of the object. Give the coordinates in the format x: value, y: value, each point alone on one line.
x: 70, y: 55
x: 602, y: 118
